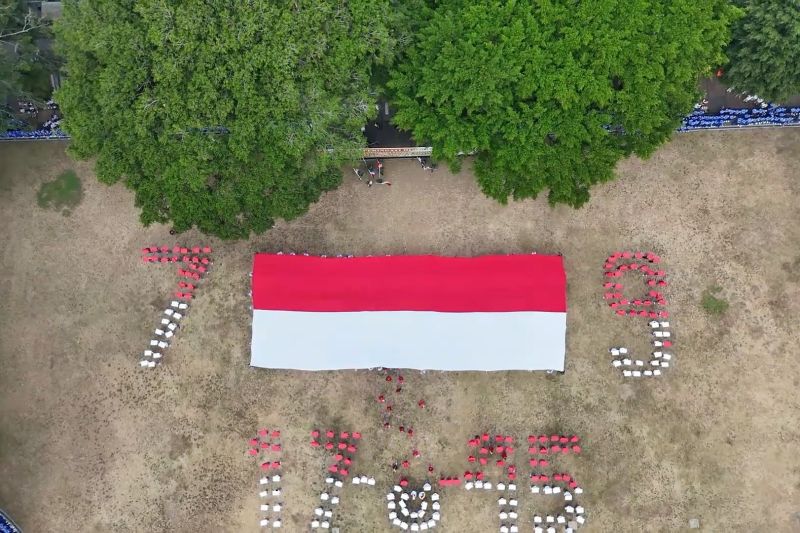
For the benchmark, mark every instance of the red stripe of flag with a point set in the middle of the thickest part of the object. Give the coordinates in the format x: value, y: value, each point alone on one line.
x: 494, y: 283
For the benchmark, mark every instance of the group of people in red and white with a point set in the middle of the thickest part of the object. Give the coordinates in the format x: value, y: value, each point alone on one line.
x: 660, y: 357
x: 343, y: 445
x: 197, y: 263
x: 651, y: 306
x: 266, y: 447
x: 413, y: 510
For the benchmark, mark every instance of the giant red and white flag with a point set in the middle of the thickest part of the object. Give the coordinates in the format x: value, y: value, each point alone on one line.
x: 497, y: 312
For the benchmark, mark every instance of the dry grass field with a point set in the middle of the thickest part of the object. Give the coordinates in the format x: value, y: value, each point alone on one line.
x: 91, y: 443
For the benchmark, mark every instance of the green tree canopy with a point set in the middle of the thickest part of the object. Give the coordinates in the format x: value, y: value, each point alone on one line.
x: 221, y: 115
x: 24, y: 68
x: 764, y: 49
x: 551, y: 94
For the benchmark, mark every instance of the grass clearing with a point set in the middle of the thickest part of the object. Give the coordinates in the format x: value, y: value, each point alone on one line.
x: 62, y: 194
x: 712, y: 302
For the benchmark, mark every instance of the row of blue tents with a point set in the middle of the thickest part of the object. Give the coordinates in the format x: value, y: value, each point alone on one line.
x: 34, y: 134
x: 771, y: 115
x: 7, y: 525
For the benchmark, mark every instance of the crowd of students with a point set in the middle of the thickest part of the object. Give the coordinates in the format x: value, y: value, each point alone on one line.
x: 266, y: 447
x: 198, y: 261
x: 34, y: 134
x: 343, y: 445
x: 771, y: 115
x: 409, y: 510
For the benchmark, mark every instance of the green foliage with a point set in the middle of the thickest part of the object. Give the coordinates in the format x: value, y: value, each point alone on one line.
x: 764, y: 50
x: 62, y: 194
x: 551, y: 94
x: 24, y: 68
x: 35, y: 81
x: 713, y: 304
x: 289, y: 81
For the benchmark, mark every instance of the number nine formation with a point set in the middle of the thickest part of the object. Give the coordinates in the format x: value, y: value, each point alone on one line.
x: 651, y: 306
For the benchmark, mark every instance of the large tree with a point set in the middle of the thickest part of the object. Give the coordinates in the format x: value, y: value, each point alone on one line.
x: 550, y: 94
x: 24, y: 67
x: 221, y: 115
x: 764, y: 49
